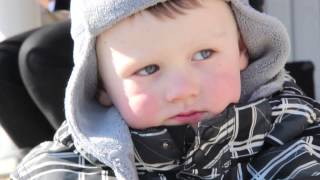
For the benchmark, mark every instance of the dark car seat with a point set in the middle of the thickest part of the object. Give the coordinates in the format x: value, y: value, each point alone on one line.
x: 19, y: 116
x: 303, y: 72
x: 45, y: 63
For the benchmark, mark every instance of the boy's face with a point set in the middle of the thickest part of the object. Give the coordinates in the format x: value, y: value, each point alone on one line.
x: 173, y: 71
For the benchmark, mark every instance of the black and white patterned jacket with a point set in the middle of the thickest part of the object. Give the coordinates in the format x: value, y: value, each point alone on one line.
x: 274, y: 138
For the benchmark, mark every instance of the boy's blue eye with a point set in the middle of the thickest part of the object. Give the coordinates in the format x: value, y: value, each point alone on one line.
x: 150, y: 69
x: 203, y: 54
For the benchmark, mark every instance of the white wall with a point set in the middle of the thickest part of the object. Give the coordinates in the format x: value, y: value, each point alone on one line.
x: 302, y: 19
x: 17, y: 16
x: 1, y: 36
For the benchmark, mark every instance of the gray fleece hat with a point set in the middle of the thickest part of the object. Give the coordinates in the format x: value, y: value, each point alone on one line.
x: 101, y: 133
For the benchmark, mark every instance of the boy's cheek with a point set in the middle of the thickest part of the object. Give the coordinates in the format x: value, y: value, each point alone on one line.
x: 143, y: 104
x: 142, y: 110
x: 222, y: 91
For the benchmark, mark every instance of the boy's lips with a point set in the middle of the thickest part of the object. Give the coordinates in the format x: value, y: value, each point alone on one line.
x: 189, y: 117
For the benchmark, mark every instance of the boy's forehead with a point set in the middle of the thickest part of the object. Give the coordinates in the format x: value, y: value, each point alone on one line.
x: 146, y: 37
x: 202, y: 23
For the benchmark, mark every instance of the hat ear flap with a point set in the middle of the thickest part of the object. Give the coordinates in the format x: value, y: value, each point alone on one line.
x: 103, y: 98
x: 102, y: 94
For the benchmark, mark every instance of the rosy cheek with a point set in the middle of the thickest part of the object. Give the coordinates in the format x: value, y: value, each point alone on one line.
x: 223, y: 90
x: 143, y: 109
x: 143, y: 104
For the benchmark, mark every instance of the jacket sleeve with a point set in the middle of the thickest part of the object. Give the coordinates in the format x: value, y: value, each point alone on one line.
x: 59, y: 159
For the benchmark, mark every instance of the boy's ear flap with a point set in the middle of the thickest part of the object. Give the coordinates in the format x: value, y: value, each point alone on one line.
x: 103, y: 98
x: 243, y: 54
x: 102, y: 94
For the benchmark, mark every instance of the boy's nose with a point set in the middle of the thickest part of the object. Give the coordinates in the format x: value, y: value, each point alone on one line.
x: 182, y: 89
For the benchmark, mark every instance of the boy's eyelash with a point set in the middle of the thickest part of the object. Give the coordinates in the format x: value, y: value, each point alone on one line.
x: 147, y: 70
x: 153, y: 68
x: 210, y: 51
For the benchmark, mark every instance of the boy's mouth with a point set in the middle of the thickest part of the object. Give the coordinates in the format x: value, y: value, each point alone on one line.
x: 189, y: 117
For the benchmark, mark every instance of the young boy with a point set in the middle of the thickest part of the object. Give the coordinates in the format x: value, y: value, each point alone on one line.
x: 179, y: 89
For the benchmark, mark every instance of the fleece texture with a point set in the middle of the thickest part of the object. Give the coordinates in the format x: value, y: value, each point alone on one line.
x: 102, y: 132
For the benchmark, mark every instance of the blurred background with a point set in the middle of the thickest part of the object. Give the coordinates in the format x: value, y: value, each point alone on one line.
x: 18, y: 20
x: 301, y: 18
